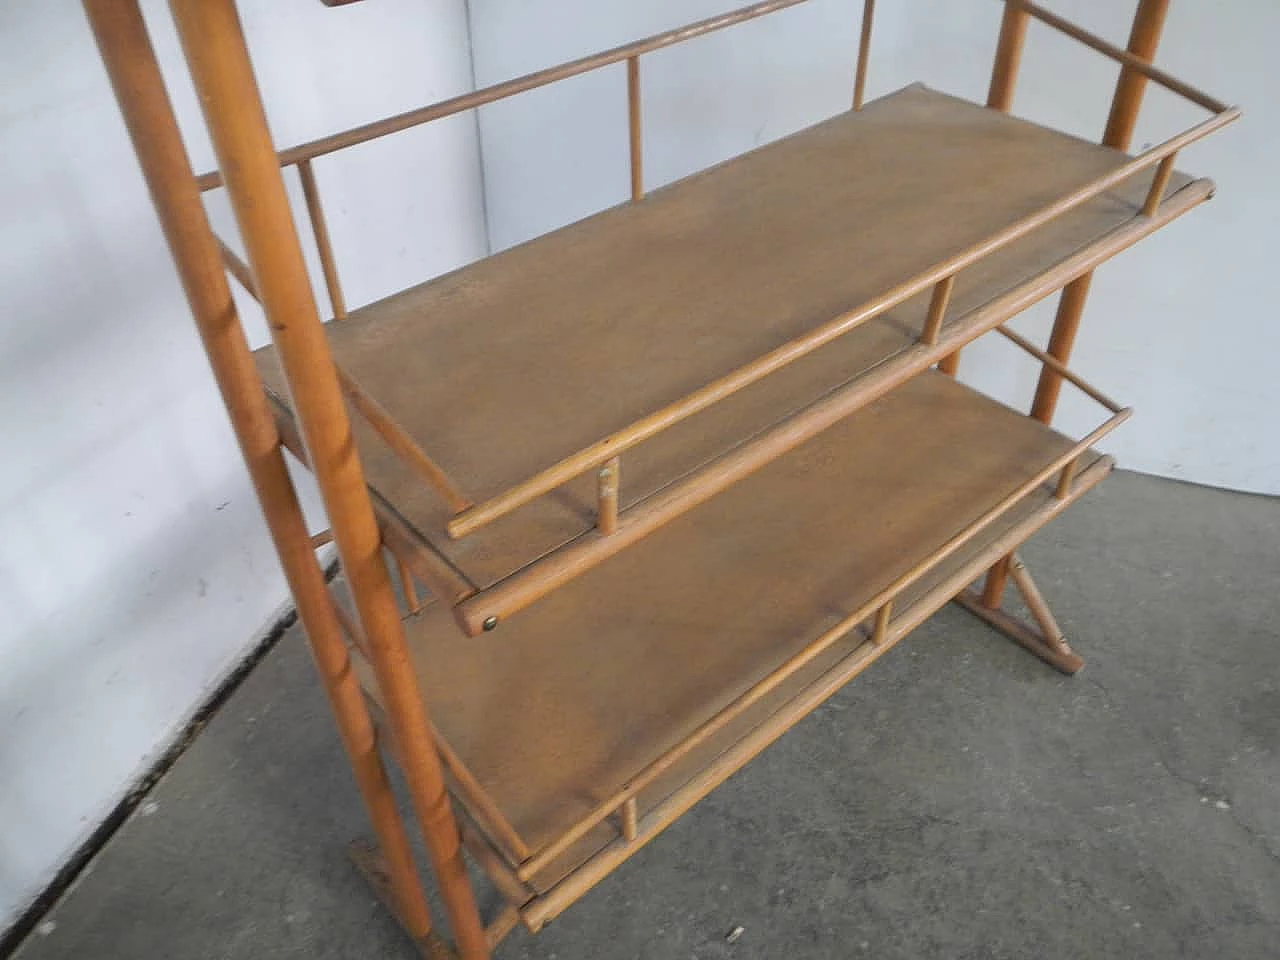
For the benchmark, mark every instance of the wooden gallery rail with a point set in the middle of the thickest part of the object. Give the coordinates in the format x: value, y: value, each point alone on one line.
x: 715, y: 463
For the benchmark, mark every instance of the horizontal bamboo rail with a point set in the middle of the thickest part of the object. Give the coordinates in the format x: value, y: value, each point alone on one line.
x: 238, y: 269
x: 540, y: 577
x: 550, y: 904
x: 1137, y: 64
x: 1060, y: 368
x: 879, y: 605
x: 864, y: 54
x: 640, y: 430
x: 509, y: 88
x: 400, y: 442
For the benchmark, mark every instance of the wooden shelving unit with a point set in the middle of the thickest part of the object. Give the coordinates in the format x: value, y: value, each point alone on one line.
x: 653, y: 486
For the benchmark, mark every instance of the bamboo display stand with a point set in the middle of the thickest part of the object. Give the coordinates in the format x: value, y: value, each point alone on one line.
x: 655, y: 485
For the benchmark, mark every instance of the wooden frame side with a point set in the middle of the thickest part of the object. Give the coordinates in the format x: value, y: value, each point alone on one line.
x: 127, y: 53
x: 218, y: 59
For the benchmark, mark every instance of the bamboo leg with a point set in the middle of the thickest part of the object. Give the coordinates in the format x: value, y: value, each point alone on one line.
x: 993, y: 589
x: 1048, y: 643
x: 1144, y: 40
x: 213, y: 42
x: 1148, y: 22
x: 369, y: 861
x: 130, y: 60
x: 1036, y: 604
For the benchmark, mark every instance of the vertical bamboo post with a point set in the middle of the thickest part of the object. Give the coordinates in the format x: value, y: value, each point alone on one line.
x: 411, y: 599
x: 1004, y: 79
x: 864, y: 54
x: 1144, y: 39
x: 880, y: 633
x: 630, y: 820
x: 324, y: 245
x: 1159, y: 183
x: 607, y: 480
x: 1004, y: 71
x: 937, y: 310
x: 634, y: 128
x: 214, y: 44
x: 130, y: 60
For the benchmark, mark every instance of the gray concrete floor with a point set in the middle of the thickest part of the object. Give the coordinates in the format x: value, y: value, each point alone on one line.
x: 959, y: 800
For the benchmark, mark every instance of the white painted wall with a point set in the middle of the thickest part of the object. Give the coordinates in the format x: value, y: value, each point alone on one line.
x: 1184, y: 326
x: 134, y: 566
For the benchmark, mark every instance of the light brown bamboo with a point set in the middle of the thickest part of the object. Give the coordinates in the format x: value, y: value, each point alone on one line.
x: 797, y: 661
x: 593, y: 455
x: 135, y: 76
x: 1035, y: 602
x: 1148, y: 24
x: 1058, y: 367
x: 607, y: 480
x: 479, y: 802
x: 494, y: 864
x: 1062, y: 338
x: 994, y: 587
x: 213, y: 41
x: 1144, y: 40
x: 401, y: 443
x: 426, y: 563
x: 864, y: 53
x: 324, y: 245
x: 1004, y: 70
x: 634, y: 129
x: 321, y: 539
x: 350, y: 629
x: 549, y: 905
x: 1159, y: 183
x: 412, y: 602
x: 1065, y: 479
x: 506, y: 920
x: 237, y: 268
x: 937, y: 309
x: 881, y: 631
x: 1004, y: 80
x: 1021, y: 634
x: 630, y: 820
x: 509, y: 88
x: 546, y: 574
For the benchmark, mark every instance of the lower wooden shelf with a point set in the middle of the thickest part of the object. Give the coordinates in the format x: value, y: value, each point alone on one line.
x: 548, y: 724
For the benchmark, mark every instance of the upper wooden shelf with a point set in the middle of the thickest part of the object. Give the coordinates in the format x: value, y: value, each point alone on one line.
x: 505, y: 367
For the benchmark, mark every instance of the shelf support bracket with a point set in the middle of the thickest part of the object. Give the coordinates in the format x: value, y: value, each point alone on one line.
x: 1045, y: 639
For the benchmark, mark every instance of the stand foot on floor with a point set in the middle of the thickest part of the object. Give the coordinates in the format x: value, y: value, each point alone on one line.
x: 368, y: 861
x: 1047, y: 642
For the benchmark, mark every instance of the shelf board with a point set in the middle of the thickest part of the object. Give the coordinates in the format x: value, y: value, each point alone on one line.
x: 502, y: 368
x: 556, y: 711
